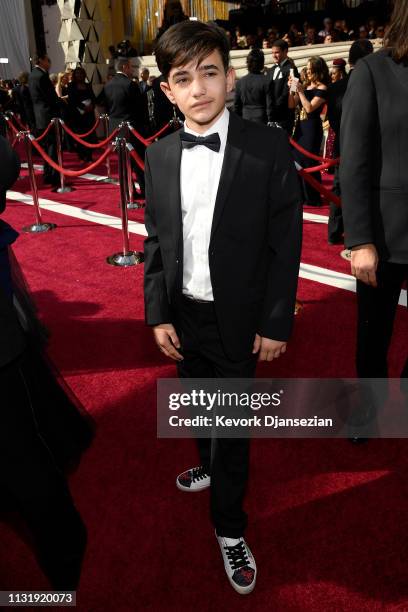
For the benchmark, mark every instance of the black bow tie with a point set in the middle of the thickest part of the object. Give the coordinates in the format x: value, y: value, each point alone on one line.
x: 188, y: 141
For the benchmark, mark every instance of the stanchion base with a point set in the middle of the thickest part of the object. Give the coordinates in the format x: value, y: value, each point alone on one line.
x: 136, y: 204
x: 65, y: 189
x: 132, y: 258
x: 37, y: 228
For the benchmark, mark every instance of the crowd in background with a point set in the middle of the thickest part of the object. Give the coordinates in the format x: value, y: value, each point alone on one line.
x: 308, y: 34
x: 261, y: 95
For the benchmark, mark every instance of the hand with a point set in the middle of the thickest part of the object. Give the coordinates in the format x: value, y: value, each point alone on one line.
x: 167, y: 340
x: 364, y: 262
x: 300, y: 88
x: 268, y: 349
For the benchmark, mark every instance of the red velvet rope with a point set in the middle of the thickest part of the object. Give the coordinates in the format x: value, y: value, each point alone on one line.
x: 329, y: 195
x: 137, y: 159
x: 45, y: 132
x: 19, y: 123
x: 139, y: 137
x: 148, y: 141
x: 89, y: 145
x: 159, y: 133
x: 73, y: 173
x: 328, y: 164
x: 13, y: 127
x: 311, y: 155
x: 91, y: 130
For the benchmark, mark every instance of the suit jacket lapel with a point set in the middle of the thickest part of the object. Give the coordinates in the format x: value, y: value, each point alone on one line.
x: 232, y: 156
x: 172, y: 165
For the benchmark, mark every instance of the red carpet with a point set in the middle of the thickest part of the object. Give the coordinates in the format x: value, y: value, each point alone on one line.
x: 328, y: 521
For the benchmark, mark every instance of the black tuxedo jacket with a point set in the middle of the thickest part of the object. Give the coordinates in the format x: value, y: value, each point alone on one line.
x: 278, y: 94
x: 374, y: 148
x: 125, y: 102
x: 335, y: 96
x: 44, y: 98
x: 255, y: 242
x: 250, y: 101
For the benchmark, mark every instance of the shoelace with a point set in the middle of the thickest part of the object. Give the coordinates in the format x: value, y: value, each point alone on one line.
x: 237, y: 555
x: 199, y: 473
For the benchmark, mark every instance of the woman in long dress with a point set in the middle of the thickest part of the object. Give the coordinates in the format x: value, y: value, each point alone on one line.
x: 309, y: 130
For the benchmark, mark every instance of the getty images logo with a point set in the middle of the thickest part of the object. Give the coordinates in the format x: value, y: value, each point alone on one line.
x: 207, y: 401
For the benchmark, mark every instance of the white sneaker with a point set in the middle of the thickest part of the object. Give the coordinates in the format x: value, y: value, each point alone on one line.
x: 239, y: 564
x: 193, y: 480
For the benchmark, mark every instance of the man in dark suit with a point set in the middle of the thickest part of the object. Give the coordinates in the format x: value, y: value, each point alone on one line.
x: 279, y: 112
x: 125, y: 102
x: 374, y: 185
x: 46, y: 107
x: 213, y: 310
x: 335, y: 95
x: 124, y: 98
x: 144, y: 81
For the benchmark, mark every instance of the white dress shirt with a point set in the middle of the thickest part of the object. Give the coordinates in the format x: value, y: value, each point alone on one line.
x: 277, y: 72
x: 199, y: 178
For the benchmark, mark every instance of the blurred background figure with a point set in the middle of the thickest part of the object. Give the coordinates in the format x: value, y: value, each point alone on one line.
x: 22, y: 101
x: 81, y: 104
x: 251, y: 91
x: 338, y: 70
x: 173, y: 13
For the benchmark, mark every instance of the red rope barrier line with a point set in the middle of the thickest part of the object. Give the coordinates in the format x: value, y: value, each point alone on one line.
x: 20, y: 124
x: 72, y: 173
x: 159, y: 133
x: 148, y: 141
x: 137, y: 159
x: 13, y: 127
x: 91, y: 130
x: 328, y: 164
x: 329, y: 195
x: 311, y: 155
x: 138, y: 136
x: 89, y: 145
x: 45, y: 132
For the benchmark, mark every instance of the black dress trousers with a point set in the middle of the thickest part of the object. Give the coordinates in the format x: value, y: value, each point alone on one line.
x: 376, y: 313
x: 225, y: 459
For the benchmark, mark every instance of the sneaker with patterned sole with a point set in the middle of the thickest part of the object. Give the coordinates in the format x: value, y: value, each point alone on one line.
x: 239, y: 564
x: 193, y: 480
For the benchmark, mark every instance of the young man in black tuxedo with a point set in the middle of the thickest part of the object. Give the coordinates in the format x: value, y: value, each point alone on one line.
x: 218, y: 189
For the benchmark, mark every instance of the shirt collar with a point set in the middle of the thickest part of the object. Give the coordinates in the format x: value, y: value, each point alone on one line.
x: 220, y: 126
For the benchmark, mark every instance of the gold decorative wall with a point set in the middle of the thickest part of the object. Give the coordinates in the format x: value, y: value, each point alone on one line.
x: 144, y: 17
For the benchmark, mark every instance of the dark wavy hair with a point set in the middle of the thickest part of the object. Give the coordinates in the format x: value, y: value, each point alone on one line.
x: 396, y: 37
x: 255, y: 61
x: 190, y: 40
x: 319, y: 69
